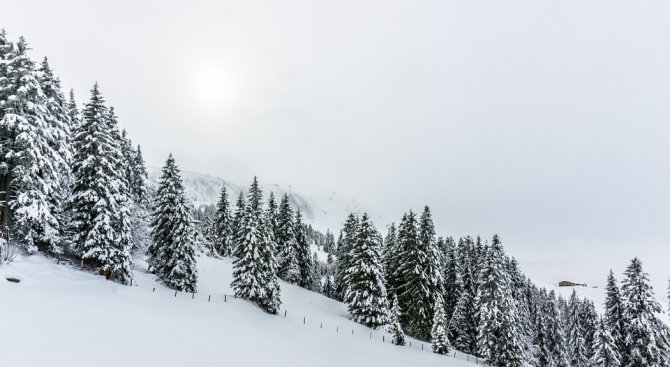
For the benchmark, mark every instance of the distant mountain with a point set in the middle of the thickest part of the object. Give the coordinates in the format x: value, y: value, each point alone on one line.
x: 323, y: 211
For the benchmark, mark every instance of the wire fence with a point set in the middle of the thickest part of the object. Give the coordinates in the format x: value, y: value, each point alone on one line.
x: 378, y: 336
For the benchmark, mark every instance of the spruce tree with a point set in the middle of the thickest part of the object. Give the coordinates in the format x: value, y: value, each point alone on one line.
x: 391, y: 260
x: 645, y: 343
x: 139, y: 178
x: 223, y: 226
x: 499, y: 338
x: 98, y: 202
x: 576, y: 341
x: 254, y: 268
x: 30, y: 161
x: 366, y: 294
x: 238, y: 218
x: 420, y: 273
x: 172, y: 251
x: 394, y: 327
x: 288, y: 264
x: 438, y: 333
x: 328, y: 286
x: 452, y: 271
x: 344, y: 247
x: 463, y: 325
x: 614, y: 314
x: 604, y: 347
x: 302, y: 252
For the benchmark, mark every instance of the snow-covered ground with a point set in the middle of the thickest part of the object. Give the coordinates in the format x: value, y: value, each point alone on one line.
x: 60, y: 316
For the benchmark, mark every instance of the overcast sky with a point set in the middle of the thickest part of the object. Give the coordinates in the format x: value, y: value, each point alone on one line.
x: 544, y: 121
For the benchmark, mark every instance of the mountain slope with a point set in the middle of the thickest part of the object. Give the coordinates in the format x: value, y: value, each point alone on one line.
x: 59, y: 315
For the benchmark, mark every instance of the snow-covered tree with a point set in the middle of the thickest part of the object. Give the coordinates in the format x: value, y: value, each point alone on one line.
x: 604, y: 347
x: 394, y: 327
x: 576, y: 341
x: 30, y: 160
x: 366, y: 294
x: 223, y: 226
x: 255, y: 268
x: 614, y: 314
x: 172, y: 251
x: 302, y: 252
x: 289, y: 267
x: 419, y: 272
x: 499, y: 338
x: 438, y: 333
x: 98, y: 203
x: 645, y: 343
x: 344, y: 247
x: 463, y: 325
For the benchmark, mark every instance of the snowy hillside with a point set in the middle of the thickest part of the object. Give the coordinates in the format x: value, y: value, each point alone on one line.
x: 323, y: 211
x: 58, y: 315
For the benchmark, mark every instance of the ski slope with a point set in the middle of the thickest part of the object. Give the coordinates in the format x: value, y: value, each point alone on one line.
x: 60, y: 316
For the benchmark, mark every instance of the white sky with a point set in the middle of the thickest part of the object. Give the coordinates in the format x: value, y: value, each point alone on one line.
x: 544, y: 121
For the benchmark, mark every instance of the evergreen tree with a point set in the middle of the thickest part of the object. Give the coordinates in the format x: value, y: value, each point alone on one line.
x: 366, y: 294
x: 238, y: 218
x: 98, y: 206
x: 302, y: 252
x: 344, y: 247
x: 589, y: 320
x: 223, y: 226
x: 421, y: 288
x: 499, y: 339
x: 438, y: 334
x: 254, y: 269
x: 172, y: 252
x: 394, y: 327
x: 463, y: 326
x: 645, y: 342
x: 614, y: 314
x: 576, y: 342
x: 289, y: 266
x: 391, y: 260
x: 605, y: 349
x: 138, y: 178
x: 452, y: 271
x: 328, y: 287
x: 30, y: 161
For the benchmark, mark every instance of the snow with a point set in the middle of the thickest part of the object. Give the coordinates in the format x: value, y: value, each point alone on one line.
x: 58, y: 316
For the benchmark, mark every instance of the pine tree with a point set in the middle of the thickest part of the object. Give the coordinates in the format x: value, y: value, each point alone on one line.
x: 452, y: 271
x: 438, y: 334
x: 238, y: 218
x: 98, y: 206
x: 138, y: 178
x: 589, y: 320
x: 576, y: 341
x: 366, y: 294
x: 344, y: 247
x: 604, y: 347
x: 394, y: 327
x: 391, y: 260
x: 254, y: 269
x: 172, y: 251
x: 30, y: 162
x: 645, y: 343
x: 302, y: 252
x: 463, y: 326
x: 499, y: 339
x: 328, y: 287
x: 223, y: 226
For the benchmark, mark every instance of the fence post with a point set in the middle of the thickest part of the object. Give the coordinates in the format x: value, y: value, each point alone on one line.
x: 175, y: 294
x: 131, y: 282
x: 154, y: 289
x: 285, y: 311
x: 224, y: 298
x: 352, y: 331
x: 303, y: 320
x: 209, y: 299
x: 383, y: 338
x: 337, y: 330
x: 321, y: 327
x: 371, y: 335
x: 410, y: 343
x: 421, y: 346
x: 193, y: 295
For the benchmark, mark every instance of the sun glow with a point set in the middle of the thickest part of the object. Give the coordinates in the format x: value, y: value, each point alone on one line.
x: 212, y: 87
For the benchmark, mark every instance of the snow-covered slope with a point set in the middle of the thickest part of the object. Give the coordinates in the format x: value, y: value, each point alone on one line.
x: 60, y: 316
x: 323, y: 211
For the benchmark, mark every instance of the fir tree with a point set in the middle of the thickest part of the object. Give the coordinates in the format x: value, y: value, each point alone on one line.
x: 576, y: 341
x: 289, y: 267
x: 499, y: 339
x: 438, y: 334
x: 614, y: 314
x: 223, y: 226
x: 452, y: 271
x: 302, y: 252
x: 344, y: 247
x: 463, y: 325
x: 366, y: 294
x: 172, y: 252
x: 645, y: 343
x: 328, y: 287
x: 138, y: 178
x: 604, y: 347
x: 254, y: 269
x: 98, y: 203
x: 394, y: 327
x: 238, y: 218
x: 30, y: 161
x: 420, y: 273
